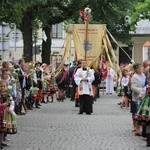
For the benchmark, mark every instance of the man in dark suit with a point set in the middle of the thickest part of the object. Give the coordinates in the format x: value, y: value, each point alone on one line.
x: 22, y: 80
x: 72, y: 84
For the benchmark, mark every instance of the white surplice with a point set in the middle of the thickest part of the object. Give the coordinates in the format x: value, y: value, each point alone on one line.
x: 84, y: 87
x: 110, y: 81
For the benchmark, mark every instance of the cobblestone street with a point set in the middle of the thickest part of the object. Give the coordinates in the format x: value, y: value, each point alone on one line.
x: 57, y: 126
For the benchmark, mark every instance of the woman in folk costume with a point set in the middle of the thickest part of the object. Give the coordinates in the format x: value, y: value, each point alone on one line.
x: 46, y: 80
x: 143, y: 112
x: 10, y: 81
x: 110, y: 81
x: 8, y: 77
x: 9, y: 116
x: 40, y: 79
x: 2, y: 129
x: 50, y: 89
x: 34, y: 90
x: 137, y: 87
x: 84, y: 78
x: 62, y: 80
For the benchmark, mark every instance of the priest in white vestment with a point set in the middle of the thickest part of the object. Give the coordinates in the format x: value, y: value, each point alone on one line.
x: 110, y: 81
x: 84, y: 77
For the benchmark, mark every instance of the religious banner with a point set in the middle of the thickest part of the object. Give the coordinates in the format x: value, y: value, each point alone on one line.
x: 104, y: 68
x: 92, y: 46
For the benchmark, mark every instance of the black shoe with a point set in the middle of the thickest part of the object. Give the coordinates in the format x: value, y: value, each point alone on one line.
x: 80, y: 113
x: 21, y: 113
x: 4, y: 144
x: 148, y: 145
x: 138, y: 134
x: 58, y: 99
x: 31, y: 108
x: 6, y: 138
x: 72, y: 100
x: 88, y: 113
x: 119, y: 103
x: 76, y: 105
x: 37, y: 107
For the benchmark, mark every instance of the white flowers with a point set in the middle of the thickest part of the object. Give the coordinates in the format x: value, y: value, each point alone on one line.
x: 34, y: 90
x: 9, y: 87
x: 88, y: 10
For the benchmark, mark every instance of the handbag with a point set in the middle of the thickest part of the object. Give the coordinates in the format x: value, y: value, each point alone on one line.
x: 129, y: 93
x: 120, y: 90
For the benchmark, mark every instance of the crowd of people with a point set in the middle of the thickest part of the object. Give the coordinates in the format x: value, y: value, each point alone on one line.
x: 134, y: 87
x: 24, y: 86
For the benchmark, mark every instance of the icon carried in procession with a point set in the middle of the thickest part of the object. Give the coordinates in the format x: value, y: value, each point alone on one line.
x: 86, y: 16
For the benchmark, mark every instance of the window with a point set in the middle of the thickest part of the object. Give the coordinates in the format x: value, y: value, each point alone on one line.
x: 57, y: 30
x: 148, y: 54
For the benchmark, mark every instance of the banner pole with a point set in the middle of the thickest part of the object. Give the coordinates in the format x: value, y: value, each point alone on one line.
x: 86, y: 37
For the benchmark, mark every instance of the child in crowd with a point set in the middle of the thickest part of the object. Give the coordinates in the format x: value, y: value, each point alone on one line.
x: 8, y: 119
x: 125, y: 84
x: 2, y: 129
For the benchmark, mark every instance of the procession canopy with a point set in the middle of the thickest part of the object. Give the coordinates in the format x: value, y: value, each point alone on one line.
x: 90, y: 43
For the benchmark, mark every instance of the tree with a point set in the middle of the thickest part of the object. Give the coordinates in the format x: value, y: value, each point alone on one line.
x: 23, y: 14
x: 114, y: 13
x: 141, y: 11
x: 11, y: 11
x: 48, y: 11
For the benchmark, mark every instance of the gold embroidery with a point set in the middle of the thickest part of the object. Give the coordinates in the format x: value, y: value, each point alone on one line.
x: 80, y: 87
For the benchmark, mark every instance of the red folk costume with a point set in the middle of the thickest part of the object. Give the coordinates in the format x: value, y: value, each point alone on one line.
x: 7, y: 116
x: 2, y: 129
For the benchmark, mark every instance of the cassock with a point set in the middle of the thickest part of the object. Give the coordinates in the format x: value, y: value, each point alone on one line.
x: 110, y: 81
x: 85, y: 89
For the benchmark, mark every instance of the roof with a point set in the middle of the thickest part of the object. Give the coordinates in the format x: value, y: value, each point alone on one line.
x: 142, y: 28
x: 147, y: 44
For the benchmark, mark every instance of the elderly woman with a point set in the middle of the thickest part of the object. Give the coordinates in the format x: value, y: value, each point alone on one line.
x: 138, y: 91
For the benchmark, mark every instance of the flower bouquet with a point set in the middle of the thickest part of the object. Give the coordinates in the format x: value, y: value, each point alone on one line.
x: 34, y: 92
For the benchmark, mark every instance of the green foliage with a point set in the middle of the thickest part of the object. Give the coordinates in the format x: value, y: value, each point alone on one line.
x: 141, y: 11
x: 115, y: 13
x: 11, y: 11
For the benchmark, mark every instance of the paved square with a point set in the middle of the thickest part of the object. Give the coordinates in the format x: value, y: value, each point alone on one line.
x: 57, y: 126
